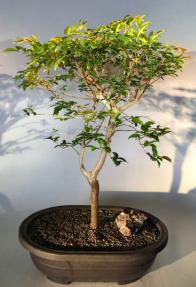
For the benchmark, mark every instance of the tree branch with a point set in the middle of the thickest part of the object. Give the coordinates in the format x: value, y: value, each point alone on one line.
x: 127, y: 106
x: 82, y: 168
x: 101, y: 161
x: 99, y: 164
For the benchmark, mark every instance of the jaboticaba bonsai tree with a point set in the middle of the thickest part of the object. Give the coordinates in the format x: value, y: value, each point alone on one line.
x: 113, y: 66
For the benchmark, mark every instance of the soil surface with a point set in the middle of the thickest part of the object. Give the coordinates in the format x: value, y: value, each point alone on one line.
x: 69, y: 229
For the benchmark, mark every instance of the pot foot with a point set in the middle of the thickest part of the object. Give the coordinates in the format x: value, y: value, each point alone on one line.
x: 59, y: 281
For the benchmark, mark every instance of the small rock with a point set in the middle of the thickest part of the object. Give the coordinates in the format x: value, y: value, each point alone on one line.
x: 139, y: 217
x: 126, y: 231
x: 130, y: 223
x: 121, y: 222
x: 137, y: 222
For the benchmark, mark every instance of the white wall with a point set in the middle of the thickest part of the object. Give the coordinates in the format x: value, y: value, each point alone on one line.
x: 33, y: 174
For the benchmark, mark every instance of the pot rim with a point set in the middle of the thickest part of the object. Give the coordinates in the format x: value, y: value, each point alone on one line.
x: 41, y: 251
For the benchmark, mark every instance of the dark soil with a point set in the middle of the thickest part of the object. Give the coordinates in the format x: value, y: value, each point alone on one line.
x: 68, y: 229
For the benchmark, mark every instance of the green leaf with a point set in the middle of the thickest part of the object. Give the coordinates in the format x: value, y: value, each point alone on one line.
x: 145, y: 126
x: 134, y: 135
x: 102, y: 141
x: 93, y: 147
x: 34, y: 38
x: 63, y: 105
x: 136, y: 120
x: 56, y: 64
x: 118, y: 120
x: 154, y: 150
x: 67, y: 31
x: 167, y: 158
x: 63, y: 144
x: 53, y: 138
x: 29, y: 111
x: 10, y: 50
x: 154, y: 135
x: 116, y: 159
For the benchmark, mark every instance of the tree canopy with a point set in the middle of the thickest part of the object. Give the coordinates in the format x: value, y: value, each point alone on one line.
x: 112, y: 66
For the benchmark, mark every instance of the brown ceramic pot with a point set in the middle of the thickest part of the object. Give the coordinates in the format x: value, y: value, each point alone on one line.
x: 65, y: 267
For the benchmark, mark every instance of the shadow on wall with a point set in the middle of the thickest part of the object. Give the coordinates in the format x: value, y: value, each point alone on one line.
x: 10, y: 63
x: 5, y: 203
x: 11, y: 101
x: 182, y: 108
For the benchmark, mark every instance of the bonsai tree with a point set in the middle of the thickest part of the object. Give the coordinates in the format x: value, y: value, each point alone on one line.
x: 112, y: 67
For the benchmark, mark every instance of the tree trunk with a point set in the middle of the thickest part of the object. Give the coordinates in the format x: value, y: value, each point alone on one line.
x: 94, y: 203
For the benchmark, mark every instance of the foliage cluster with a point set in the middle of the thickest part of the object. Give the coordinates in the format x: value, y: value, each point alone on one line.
x: 112, y: 66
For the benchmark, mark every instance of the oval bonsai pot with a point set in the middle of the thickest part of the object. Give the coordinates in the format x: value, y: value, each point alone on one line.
x: 69, y: 266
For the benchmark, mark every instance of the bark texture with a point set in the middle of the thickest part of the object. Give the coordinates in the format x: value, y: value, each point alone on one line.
x: 94, y: 203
